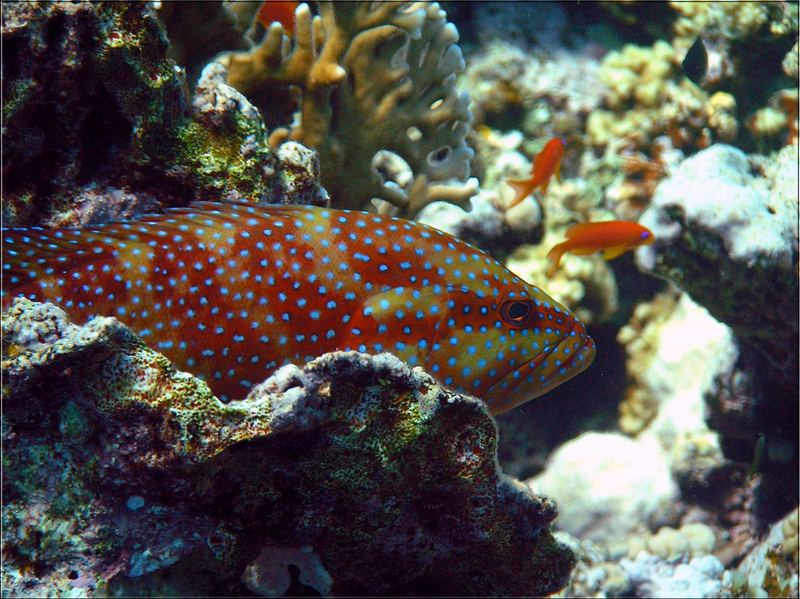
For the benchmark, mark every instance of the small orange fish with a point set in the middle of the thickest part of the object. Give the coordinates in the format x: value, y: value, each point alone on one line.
x: 613, y: 238
x: 546, y: 163
x: 280, y: 11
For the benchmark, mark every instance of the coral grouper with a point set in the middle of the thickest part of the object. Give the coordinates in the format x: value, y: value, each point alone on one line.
x: 233, y: 291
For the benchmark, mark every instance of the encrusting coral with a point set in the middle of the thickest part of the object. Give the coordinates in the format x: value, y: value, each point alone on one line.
x: 770, y: 568
x: 364, y: 475
x: 86, y: 88
x: 372, y: 78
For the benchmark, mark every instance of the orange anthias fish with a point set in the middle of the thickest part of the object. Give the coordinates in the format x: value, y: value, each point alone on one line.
x: 280, y: 11
x: 231, y: 292
x: 546, y: 164
x: 613, y: 238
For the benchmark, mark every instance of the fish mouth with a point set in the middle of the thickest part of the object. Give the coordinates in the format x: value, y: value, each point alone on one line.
x: 569, y: 357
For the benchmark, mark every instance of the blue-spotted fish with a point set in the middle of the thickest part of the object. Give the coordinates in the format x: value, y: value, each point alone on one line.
x: 231, y: 292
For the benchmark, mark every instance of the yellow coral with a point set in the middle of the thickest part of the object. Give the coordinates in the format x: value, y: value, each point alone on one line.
x: 767, y: 122
x: 636, y: 411
x: 721, y: 113
x: 731, y: 19
x: 691, y: 540
x: 637, y: 73
x: 640, y: 338
x: 790, y: 62
x: 789, y: 528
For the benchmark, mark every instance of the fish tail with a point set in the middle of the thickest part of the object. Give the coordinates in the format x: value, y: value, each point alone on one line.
x: 522, y: 189
x: 554, y: 256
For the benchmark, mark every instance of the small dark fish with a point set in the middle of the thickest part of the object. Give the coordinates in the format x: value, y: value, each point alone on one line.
x: 758, y: 455
x: 695, y: 63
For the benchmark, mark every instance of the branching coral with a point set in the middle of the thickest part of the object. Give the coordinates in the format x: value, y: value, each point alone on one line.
x: 729, y: 19
x: 372, y: 77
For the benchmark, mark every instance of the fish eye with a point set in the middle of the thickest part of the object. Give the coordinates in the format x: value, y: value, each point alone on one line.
x: 516, y: 312
x: 645, y: 234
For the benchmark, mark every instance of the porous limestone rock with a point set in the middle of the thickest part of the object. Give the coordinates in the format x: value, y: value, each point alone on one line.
x: 200, y: 30
x: 607, y: 485
x: 83, y: 84
x: 351, y: 475
x: 595, y: 574
x: 94, y: 108
x: 482, y: 224
x: 770, y: 568
x: 729, y: 239
x: 690, y: 342
x: 652, y: 576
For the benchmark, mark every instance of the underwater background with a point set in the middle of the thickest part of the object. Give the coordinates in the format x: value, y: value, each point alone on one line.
x: 376, y: 455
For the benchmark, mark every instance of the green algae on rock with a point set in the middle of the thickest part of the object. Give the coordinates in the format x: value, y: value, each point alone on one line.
x: 91, y: 101
x: 388, y: 479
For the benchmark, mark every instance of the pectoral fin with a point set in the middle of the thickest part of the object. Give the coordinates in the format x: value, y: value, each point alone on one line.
x: 614, y: 252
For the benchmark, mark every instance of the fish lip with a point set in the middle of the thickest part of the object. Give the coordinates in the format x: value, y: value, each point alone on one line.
x: 506, y: 399
x: 588, y: 343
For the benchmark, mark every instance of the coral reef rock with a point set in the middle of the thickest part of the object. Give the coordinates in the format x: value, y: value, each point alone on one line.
x: 686, y: 339
x: 82, y: 83
x: 198, y: 31
x: 652, y: 576
x: 770, y: 569
x: 595, y: 575
x: 92, y: 103
x: 482, y: 225
x: 729, y: 239
x: 606, y: 484
x: 351, y: 475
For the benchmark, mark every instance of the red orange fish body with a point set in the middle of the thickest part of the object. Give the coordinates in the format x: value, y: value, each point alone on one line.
x: 546, y: 164
x: 613, y: 238
x: 231, y: 292
x: 281, y: 11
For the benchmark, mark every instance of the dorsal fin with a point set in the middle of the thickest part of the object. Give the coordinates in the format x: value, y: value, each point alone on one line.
x: 30, y: 252
x: 579, y: 229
